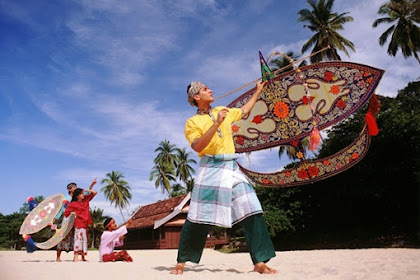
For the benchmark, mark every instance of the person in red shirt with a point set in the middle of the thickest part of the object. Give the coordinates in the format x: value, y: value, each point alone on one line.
x: 79, y: 205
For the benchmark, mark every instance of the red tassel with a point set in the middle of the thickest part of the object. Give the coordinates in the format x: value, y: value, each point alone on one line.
x: 314, y: 139
x: 371, y: 123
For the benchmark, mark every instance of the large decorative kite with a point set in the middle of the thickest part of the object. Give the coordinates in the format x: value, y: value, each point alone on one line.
x: 298, y: 104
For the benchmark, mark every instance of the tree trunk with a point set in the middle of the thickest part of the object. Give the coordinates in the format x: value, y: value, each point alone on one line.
x: 122, y: 214
x: 93, y: 238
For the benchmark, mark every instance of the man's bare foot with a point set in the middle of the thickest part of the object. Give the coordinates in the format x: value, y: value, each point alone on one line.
x: 58, y: 260
x: 179, y: 269
x: 75, y: 259
x: 262, y: 268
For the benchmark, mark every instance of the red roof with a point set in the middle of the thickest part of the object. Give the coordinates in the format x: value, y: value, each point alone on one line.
x: 148, y: 214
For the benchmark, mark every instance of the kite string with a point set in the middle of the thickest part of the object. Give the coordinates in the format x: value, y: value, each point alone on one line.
x: 275, y: 72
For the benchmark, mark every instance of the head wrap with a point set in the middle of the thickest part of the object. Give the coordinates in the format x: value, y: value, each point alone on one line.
x: 107, y: 222
x: 69, y: 186
x: 192, y: 90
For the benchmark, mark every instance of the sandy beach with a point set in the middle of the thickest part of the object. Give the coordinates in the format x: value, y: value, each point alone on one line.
x: 155, y: 264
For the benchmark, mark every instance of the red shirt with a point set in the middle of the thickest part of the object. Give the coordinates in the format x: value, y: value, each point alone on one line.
x: 83, y: 219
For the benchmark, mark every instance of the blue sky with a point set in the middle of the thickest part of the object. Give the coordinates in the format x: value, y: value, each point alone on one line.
x: 87, y: 87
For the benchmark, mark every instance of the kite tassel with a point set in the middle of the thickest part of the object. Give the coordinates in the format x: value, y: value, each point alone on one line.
x: 374, y: 105
x: 314, y: 139
x: 32, y: 203
x: 371, y: 123
x: 30, y: 243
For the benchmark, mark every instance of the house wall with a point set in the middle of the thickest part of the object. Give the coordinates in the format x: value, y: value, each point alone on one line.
x: 166, y: 237
x: 172, y: 237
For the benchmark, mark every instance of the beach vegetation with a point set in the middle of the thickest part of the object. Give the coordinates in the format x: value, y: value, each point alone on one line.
x: 97, y: 227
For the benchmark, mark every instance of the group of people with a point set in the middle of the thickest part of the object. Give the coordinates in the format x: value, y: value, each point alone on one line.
x: 222, y: 196
x: 77, y: 203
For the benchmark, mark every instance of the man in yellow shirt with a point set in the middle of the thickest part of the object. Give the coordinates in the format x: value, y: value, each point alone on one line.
x: 222, y: 195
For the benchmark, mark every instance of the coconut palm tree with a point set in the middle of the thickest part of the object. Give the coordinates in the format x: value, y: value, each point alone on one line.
x: 116, y: 190
x: 416, y: 13
x: 292, y: 151
x: 97, y: 226
x: 163, y: 175
x: 325, y: 23
x: 405, y: 33
x: 190, y: 185
x: 166, y: 154
x: 178, y: 189
x: 184, y: 170
x: 281, y: 62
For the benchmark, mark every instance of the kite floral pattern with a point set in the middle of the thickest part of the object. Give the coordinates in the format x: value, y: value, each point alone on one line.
x: 281, y: 110
x: 312, y: 171
x: 42, y: 215
x: 336, y: 90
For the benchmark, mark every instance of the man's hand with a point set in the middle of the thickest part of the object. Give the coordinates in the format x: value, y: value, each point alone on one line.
x: 260, y: 85
x: 221, y: 115
x: 251, y: 102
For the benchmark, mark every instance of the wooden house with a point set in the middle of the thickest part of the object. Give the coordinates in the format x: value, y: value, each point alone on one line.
x: 158, y: 226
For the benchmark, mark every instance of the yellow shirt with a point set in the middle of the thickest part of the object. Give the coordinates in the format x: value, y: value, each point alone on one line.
x: 197, y: 125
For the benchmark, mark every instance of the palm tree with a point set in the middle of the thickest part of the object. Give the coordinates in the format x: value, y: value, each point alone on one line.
x: 178, y: 189
x: 97, y: 226
x: 190, y: 185
x: 403, y: 15
x: 166, y: 154
x: 183, y: 167
x: 282, y: 62
x: 292, y: 151
x: 163, y: 174
x: 416, y: 13
x: 325, y: 24
x: 117, y: 191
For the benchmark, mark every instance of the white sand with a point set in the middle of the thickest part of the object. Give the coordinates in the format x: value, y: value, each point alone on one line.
x: 155, y: 264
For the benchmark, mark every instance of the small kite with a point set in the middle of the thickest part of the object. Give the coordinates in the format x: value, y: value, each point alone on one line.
x: 266, y: 73
x: 42, y: 215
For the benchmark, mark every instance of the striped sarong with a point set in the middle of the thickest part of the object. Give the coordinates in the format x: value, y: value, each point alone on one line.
x: 222, y: 195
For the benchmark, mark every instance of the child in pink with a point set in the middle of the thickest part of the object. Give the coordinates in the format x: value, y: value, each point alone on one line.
x: 80, y: 206
x: 113, y: 237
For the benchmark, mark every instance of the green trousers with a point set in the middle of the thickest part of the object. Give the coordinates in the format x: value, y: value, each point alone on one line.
x: 258, y: 241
